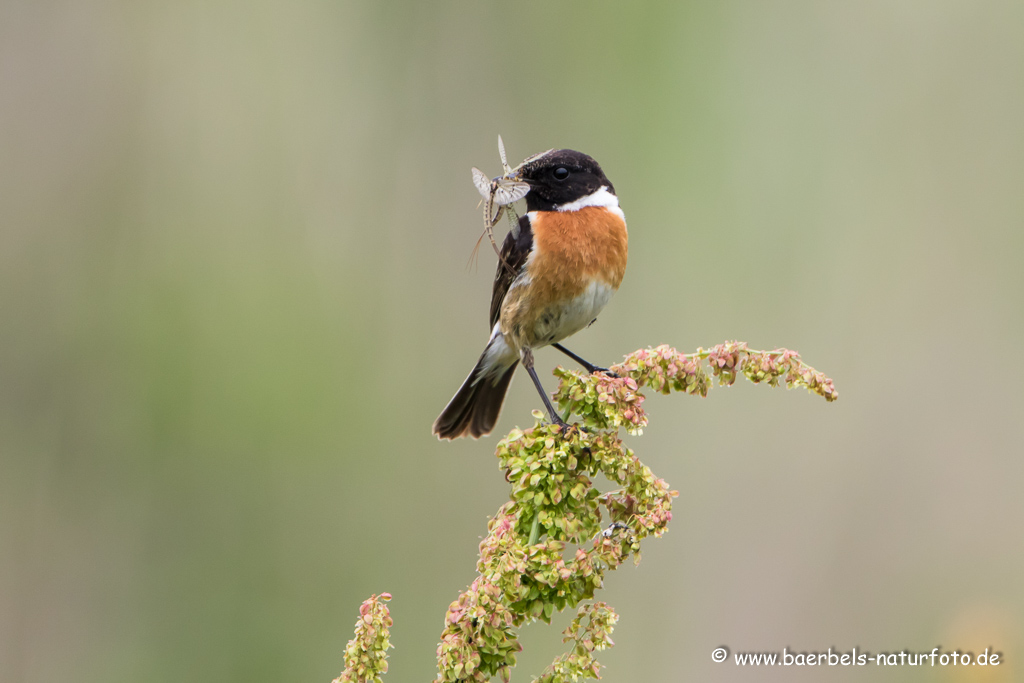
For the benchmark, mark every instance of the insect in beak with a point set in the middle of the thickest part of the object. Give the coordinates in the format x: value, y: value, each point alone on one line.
x: 500, y: 192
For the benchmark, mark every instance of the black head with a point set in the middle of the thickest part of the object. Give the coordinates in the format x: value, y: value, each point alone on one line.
x: 561, y: 176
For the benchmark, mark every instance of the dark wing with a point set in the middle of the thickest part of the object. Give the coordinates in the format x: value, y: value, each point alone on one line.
x: 514, y: 252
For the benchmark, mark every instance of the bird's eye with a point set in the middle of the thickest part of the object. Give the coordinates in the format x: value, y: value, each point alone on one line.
x: 561, y: 173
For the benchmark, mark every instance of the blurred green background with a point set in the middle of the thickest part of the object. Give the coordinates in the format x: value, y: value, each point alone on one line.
x: 234, y: 296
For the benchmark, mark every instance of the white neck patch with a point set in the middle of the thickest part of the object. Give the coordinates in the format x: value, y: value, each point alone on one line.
x: 602, y: 197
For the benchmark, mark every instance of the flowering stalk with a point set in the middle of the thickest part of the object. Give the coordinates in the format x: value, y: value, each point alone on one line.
x: 549, y: 547
x: 366, y: 654
x: 593, y: 636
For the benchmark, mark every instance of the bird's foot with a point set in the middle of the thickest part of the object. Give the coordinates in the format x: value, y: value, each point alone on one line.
x: 567, y: 428
x: 556, y: 420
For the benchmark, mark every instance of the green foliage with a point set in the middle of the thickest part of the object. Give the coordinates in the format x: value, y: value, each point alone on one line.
x: 555, y: 504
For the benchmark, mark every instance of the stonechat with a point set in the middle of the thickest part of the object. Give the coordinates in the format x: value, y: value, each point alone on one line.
x: 555, y: 274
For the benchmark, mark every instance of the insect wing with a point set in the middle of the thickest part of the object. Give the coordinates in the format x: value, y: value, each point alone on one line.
x: 504, y: 159
x: 513, y: 221
x: 509, y: 191
x: 482, y: 182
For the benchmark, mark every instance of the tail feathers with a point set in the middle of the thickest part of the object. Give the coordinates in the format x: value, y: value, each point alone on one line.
x: 474, y: 409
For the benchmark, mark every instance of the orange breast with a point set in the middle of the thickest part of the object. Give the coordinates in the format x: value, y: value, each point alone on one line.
x: 572, y: 248
x: 573, y: 252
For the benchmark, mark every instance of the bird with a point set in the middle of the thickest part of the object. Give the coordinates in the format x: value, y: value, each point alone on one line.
x: 555, y: 274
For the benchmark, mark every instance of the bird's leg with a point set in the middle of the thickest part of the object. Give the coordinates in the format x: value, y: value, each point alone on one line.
x: 589, y: 367
x: 526, y: 355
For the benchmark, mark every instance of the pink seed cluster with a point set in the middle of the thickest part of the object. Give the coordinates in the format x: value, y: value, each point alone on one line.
x: 366, y: 654
x: 664, y: 369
